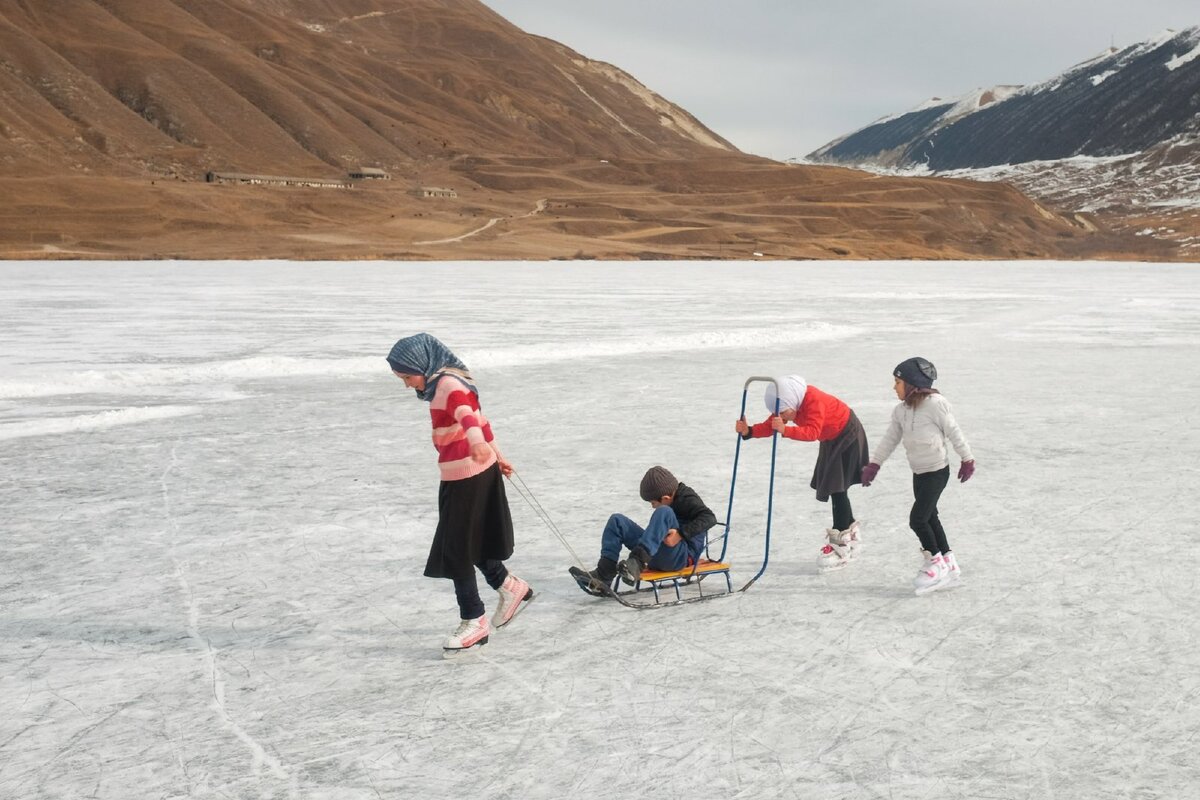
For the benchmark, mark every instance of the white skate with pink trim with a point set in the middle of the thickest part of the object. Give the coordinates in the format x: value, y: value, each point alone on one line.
x: 470, y: 636
x: 932, y: 575
x: 515, y: 594
x: 841, y: 547
x: 953, y: 573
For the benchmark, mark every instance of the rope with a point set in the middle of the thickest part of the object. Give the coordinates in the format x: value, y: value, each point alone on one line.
x: 522, y: 489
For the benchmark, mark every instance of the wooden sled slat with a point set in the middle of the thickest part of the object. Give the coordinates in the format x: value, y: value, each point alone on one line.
x: 691, y: 575
x: 703, y: 568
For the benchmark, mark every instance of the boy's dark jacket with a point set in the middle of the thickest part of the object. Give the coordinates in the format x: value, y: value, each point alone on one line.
x: 695, y: 518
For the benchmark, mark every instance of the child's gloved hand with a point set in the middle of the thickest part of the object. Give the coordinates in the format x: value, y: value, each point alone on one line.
x: 965, y: 471
x: 868, y: 473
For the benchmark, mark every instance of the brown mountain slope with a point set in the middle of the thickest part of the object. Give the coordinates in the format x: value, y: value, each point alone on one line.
x: 304, y: 87
x: 112, y: 111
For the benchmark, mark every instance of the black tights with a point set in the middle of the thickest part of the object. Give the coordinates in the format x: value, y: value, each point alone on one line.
x: 466, y: 590
x: 923, y: 519
x: 843, y: 515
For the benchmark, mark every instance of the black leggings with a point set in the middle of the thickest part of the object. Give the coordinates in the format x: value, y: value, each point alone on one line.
x: 466, y: 590
x: 843, y: 515
x: 923, y: 519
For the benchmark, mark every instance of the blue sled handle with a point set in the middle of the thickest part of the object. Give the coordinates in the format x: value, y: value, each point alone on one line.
x: 733, y: 482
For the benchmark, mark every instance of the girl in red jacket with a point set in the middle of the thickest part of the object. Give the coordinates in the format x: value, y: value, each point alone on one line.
x: 810, y: 415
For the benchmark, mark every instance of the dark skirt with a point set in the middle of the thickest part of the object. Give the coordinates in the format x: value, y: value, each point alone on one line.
x: 474, y: 526
x: 840, y: 460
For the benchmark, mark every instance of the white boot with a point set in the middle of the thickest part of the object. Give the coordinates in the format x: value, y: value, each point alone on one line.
x: 953, y: 573
x: 932, y: 574
x: 841, y: 547
x: 854, y: 533
x: 514, y: 595
x: 470, y: 633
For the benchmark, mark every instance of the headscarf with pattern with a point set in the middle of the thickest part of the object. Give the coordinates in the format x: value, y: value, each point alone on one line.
x: 422, y: 354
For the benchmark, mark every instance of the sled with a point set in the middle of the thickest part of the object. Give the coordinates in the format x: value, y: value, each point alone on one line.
x: 688, y: 582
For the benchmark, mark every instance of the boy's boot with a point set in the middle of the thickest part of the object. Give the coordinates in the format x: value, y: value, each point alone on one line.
x: 471, y: 633
x: 932, y: 574
x: 841, y: 547
x: 598, y: 580
x: 632, y: 567
x: 515, y: 594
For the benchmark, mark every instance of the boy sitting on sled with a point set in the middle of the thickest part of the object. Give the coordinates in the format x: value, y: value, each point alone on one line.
x: 673, y: 539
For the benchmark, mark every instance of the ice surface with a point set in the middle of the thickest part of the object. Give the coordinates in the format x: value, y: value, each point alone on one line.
x: 218, y: 503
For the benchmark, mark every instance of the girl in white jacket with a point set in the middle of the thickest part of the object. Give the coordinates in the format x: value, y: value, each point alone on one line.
x: 924, y: 421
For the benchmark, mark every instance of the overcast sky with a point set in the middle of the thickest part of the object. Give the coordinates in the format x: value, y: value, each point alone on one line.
x: 780, y: 78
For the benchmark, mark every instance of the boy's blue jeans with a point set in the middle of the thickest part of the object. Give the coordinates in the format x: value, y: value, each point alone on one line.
x: 621, y: 530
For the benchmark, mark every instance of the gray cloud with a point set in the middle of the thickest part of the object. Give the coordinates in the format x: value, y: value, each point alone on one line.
x: 780, y: 78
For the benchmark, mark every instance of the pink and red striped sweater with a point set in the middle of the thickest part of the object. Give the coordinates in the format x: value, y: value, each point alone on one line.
x: 458, y: 423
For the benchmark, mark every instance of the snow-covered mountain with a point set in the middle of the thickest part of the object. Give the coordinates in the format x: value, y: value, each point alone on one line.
x: 1121, y: 102
x: 1117, y: 135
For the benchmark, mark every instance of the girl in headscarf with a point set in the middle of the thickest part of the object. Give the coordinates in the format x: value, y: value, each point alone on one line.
x: 809, y: 415
x: 474, y: 525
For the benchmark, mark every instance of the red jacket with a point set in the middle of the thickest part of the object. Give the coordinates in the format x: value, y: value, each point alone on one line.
x: 819, y: 418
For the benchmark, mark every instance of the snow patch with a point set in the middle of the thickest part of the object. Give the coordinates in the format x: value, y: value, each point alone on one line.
x: 93, y: 422
x: 133, y: 380
x: 608, y: 111
x: 669, y: 116
x: 149, y: 380
x: 1178, y: 61
x: 1102, y: 77
x: 702, y: 340
x: 959, y: 106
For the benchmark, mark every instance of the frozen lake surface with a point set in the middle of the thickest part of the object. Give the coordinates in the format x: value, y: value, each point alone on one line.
x: 218, y: 501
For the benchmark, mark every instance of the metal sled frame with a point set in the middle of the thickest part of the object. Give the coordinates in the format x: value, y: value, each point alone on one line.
x: 706, y: 566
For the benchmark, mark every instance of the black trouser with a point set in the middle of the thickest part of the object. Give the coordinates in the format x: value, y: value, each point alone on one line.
x: 843, y: 515
x: 923, y: 519
x: 466, y: 590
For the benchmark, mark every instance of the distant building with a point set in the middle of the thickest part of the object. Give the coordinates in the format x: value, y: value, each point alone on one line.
x: 369, y: 173
x: 274, y: 180
x: 432, y: 191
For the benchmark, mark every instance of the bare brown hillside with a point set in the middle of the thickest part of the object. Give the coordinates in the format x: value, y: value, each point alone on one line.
x: 113, y: 111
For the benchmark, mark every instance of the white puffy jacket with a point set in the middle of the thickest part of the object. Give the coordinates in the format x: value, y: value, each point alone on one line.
x: 924, y: 431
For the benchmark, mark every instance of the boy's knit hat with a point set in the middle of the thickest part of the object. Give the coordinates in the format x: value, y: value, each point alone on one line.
x: 657, y: 483
x: 916, y: 372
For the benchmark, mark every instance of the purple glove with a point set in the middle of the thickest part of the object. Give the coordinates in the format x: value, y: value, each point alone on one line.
x: 869, y: 472
x: 966, y: 471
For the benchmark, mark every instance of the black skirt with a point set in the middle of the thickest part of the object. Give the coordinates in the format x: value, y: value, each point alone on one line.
x: 474, y: 526
x: 840, y: 460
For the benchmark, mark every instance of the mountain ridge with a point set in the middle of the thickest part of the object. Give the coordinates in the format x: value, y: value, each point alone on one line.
x: 115, y: 110
x: 1109, y: 135
x: 1099, y: 107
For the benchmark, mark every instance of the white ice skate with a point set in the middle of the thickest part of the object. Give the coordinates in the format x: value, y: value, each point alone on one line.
x: 841, y: 547
x: 932, y: 575
x: 953, y: 573
x: 515, y: 594
x: 470, y: 636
